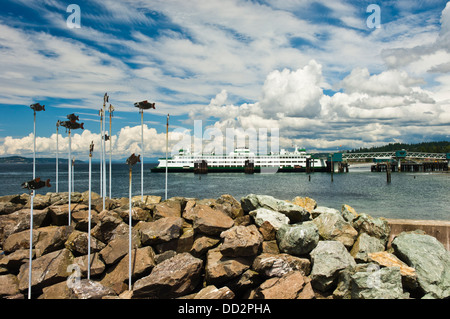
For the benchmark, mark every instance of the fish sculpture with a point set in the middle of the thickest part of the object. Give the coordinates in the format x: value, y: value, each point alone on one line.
x: 37, y: 107
x: 144, y: 105
x: 133, y: 159
x: 36, y: 184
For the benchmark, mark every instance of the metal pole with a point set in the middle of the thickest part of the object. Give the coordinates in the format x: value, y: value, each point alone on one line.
x: 111, y: 109
x: 142, y: 159
x: 89, y: 222
x: 104, y: 160
x: 101, y: 157
x: 129, y: 234
x: 167, y: 149
x: 70, y: 175
x: 34, y: 146
x: 31, y: 246
x: 57, y: 157
x: 73, y: 174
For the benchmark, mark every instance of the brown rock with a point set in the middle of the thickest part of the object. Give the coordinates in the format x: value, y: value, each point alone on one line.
x: 202, y: 244
x: 241, y: 241
x: 211, y: 292
x: 160, y: 231
x: 168, y: 208
x: 9, y: 285
x: 210, y: 221
x: 77, y: 243
x: 292, y: 285
x: 97, y: 265
x: 46, y: 270
x: 118, y: 247
x: 172, y: 278
x: 56, y: 291
x: 268, y: 231
x: 307, y: 203
x: 20, y: 221
x: 51, y: 238
x: 220, y: 268
x: 20, y: 241
x: 278, y: 265
x: 230, y: 206
x: 81, y: 219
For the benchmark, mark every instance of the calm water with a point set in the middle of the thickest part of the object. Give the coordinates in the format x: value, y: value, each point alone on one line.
x: 413, y: 196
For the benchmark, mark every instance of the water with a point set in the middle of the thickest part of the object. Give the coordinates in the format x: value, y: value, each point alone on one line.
x: 410, y: 195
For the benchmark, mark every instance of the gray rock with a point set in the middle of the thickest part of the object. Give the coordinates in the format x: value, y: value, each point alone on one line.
x: 322, y: 209
x: 429, y: 258
x: 294, y: 212
x: 332, y: 226
x: 278, y: 265
x: 328, y: 258
x: 377, y: 283
x: 298, y: 239
x: 364, y: 245
x: 88, y: 289
x: 375, y: 227
x: 276, y: 219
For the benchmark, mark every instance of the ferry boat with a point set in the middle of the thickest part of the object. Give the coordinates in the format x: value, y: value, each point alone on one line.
x: 242, y: 160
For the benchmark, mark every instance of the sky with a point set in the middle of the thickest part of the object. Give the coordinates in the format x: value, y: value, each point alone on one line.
x: 323, y: 75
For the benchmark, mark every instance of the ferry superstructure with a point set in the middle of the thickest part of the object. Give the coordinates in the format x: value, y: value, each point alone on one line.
x: 242, y: 160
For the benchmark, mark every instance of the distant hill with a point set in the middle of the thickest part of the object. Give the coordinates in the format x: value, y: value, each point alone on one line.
x: 428, y: 147
x: 26, y: 160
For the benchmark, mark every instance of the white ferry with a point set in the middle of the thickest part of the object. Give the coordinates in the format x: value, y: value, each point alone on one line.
x: 242, y: 160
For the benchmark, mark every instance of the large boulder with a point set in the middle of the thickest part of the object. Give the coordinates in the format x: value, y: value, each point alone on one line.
x: 210, y: 221
x: 298, y: 239
x: 160, y: 231
x: 278, y: 265
x: 9, y: 285
x: 328, y: 258
x: 377, y: 283
x: 307, y: 203
x: 172, y: 278
x: 293, y: 285
x: 46, y: 270
x: 168, y: 208
x: 364, y: 245
x: 375, y: 227
x: 88, y: 289
x: 294, y: 212
x: 276, y: 219
x: 20, y: 221
x: 333, y: 227
x: 220, y: 268
x: 429, y: 258
x: 241, y: 241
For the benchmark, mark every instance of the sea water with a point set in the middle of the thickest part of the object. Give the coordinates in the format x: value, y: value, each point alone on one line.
x: 409, y: 195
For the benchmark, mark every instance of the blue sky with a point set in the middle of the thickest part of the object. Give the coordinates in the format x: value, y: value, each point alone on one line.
x: 313, y: 69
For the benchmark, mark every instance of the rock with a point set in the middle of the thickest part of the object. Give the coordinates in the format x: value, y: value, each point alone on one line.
x: 51, y: 238
x: 81, y: 219
x: 375, y: 227
x: 298, y: 239
x: 56, y: 291
x: 46, y: 270
x: 20, y: 241
x: 241, y: 285
x: 278, y: 265
x: 292, y: 285
x: 230, y: 206
x: 142, y: 262
x: 9, y: 285
x: 148, y: 200
x: 210, y: 221
x: 211, y: 292
x: 160, y: 231
x: 332, y: 226
x: 268, y: 231
x: 294, y: 212
x: 385, y: 259
x: 349, y: 213
x: 137, y: 214
x: 39, y: 202
x: 172, y: 278
x: 20, y: 221
x: 8, y: 207
x: 188, y: 211
x: 97, y: 204
x: 77, y: 243
x: 220, y: 269
x: 328, y: 258
x: 110, y: 224
x: 202, y: 244
x: 376, y: 283
x: 322, y: 209
x: 13, y: 261
x: 88, y: 289
x: 59, y: 214
x: 276, y: 219
x: 270, y: 247
x: 168, y: 208
x: 429, y: 258
x: 364, y: 245
x: 241, y: 241
x: 118, y: 247
x: 307, y: 203
x: 97, y: 265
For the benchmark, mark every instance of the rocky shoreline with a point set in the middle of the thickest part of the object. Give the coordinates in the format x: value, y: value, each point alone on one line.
x: 258, y: 248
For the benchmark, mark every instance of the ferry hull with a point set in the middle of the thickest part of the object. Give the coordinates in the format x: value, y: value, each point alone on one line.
x: 266, y: 170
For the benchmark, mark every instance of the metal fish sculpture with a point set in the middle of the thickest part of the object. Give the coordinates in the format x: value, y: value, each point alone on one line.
x: 73, y: 118
x: 133, y: 159
x: 72, y: 125
x: 37, y: 107
x: 36, y: 184
x: 144, y: 105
